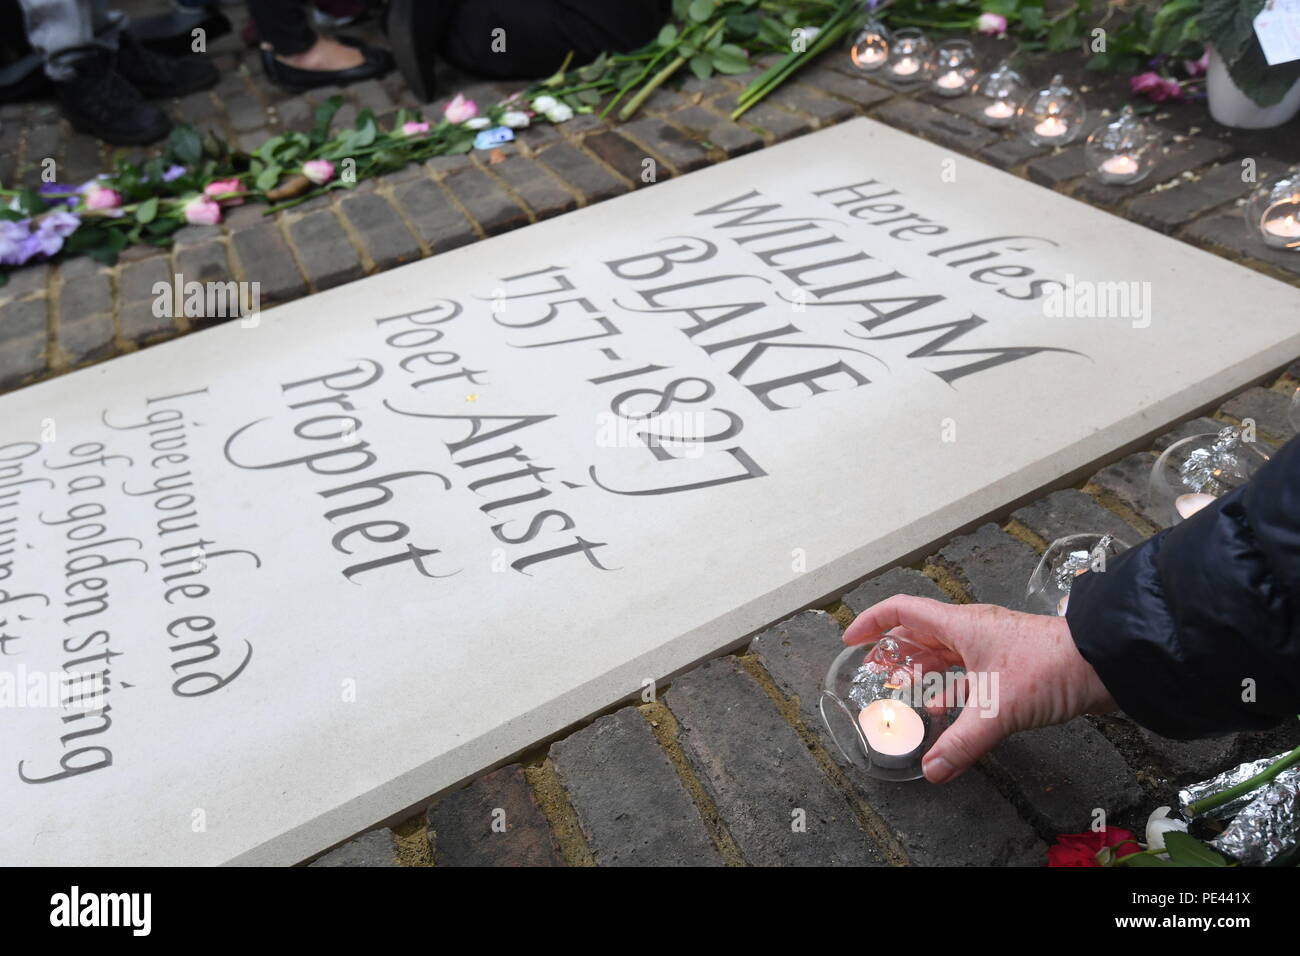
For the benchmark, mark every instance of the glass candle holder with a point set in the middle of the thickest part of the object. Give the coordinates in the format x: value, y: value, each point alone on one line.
x: 1123, y: 151
x: 1273, y: 213
x: 871, y: 47
x: 1000, y: 93
x: 1054, y: 115
x: 1195, y: 471
x: 954, y: 68
x: 886, y: 703
x: 1064, y: 560
x: 911, y: 57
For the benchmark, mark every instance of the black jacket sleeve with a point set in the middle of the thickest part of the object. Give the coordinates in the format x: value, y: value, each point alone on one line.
x: 1179, y: 626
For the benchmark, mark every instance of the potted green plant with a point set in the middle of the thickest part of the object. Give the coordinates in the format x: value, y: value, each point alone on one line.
x: 1243, y: 90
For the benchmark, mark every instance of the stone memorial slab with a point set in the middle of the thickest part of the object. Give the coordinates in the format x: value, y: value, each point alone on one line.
x: 269, y: 584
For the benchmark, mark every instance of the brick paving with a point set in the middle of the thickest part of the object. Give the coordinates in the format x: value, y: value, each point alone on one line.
x: 719, y: 768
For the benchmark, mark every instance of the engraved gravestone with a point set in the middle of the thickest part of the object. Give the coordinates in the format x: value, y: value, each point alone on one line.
x: 268, y: 584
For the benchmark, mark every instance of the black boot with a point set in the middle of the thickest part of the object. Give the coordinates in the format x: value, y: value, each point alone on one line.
x: 414, y: 28
x: 99, y: 101
x: 157, y: 76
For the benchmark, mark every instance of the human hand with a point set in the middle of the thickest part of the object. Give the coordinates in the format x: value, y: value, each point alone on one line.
x: 1041, y: 678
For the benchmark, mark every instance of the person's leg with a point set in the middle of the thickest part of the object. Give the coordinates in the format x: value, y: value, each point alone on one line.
x: 284, y: 25
x: 517, y: 39
x: 63, y: 30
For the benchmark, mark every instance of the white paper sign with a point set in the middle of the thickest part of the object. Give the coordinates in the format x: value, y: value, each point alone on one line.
x: 1278, y: 29
x: 315, y: 571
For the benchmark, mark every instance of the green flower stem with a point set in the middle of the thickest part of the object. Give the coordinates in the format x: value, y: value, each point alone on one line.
x: 1206, y: 804
x: 640, y: 77
x: 663, y: 75
x: 831, y: 33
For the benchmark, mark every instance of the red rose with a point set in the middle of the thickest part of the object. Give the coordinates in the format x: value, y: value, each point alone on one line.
x: 1081, y: 849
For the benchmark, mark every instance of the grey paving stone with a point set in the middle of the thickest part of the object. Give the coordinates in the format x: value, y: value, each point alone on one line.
x: 1268, y: 409
x: 26, y: 281
x: 1063, y: 773
x: 382, y: 231
x: 630, y: 160
x: 28, y: 317
x: 632, y: 806
x: 373, y: 848
x: 1186, y: 429
x: 535, y: 185
x: 440, y: 224
x: 1174, y: 159
x: 734, y: 139
x: 203, y: 262
x: 963, y: 823
x: 495, y: 821
x: 809, y: 101
x: 1011, y: 151
x: 994, y: 566
x: 1070, y: 512
x: 487, y: 202
x: 678, y: 149
x: 1226, y: 233
x: 941, y: 126
x: 22, y: 359
x: 265, y: 258
x: 592, y: 180
x: 1167, y: 209
x: 760, y: 775
x: 893, y: 581
x: 1127, y: 479
x: 766, y: 118
x: 136, y: 280
x: 856, y: 89
x: 325, y: 251
x: 1189, y: 760
x: 1059, y: 167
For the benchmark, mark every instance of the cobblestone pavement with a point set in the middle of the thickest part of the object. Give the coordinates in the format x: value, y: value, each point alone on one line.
x: 711, y: 771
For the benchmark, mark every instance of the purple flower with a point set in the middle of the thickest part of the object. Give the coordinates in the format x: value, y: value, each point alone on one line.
x: 173, y: 173
x: 13, y: 242
x: 58, y: 223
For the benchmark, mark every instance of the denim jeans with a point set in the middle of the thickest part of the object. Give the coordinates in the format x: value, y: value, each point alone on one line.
x: 62, y: 30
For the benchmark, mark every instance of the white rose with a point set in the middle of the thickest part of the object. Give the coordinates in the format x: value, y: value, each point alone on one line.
x: 515, y: 119
x: 544, y: 103
x: 1160, y: 823
x: 478, y: 122
x: 560, y: 113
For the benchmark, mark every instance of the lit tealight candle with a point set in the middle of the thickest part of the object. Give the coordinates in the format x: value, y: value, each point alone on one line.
x: 1120, y: 165
x: 906, y: 66
x: 1051, y: 127
x: 1285, y: 227
x: 999, y: 109
x: 1188, y: 505
x: 868, y: 56
x: 951, y: 80
x: 894, y: 732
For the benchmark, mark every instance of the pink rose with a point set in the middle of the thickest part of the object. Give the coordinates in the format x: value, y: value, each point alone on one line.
x: 202, y: 211
x: 319, y: 171
x: 1155, y: 87
x: 460, y: 109
x: 1199, y: 66
x: 101, y: 197
x: 994, y: 24
x: 414, y: 128
x: 222, y: 187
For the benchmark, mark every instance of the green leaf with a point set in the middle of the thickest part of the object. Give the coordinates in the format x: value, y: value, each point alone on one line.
x: 147, y: 211
x: 1141, y: 859
x: 1185, y: 850
x: 700, y: 10
x: 324, y: 118
x: 702, y: 65
x: 730, y: 58
x: 667, y: 36
x: 267, y: 178
x: 187, y: 145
